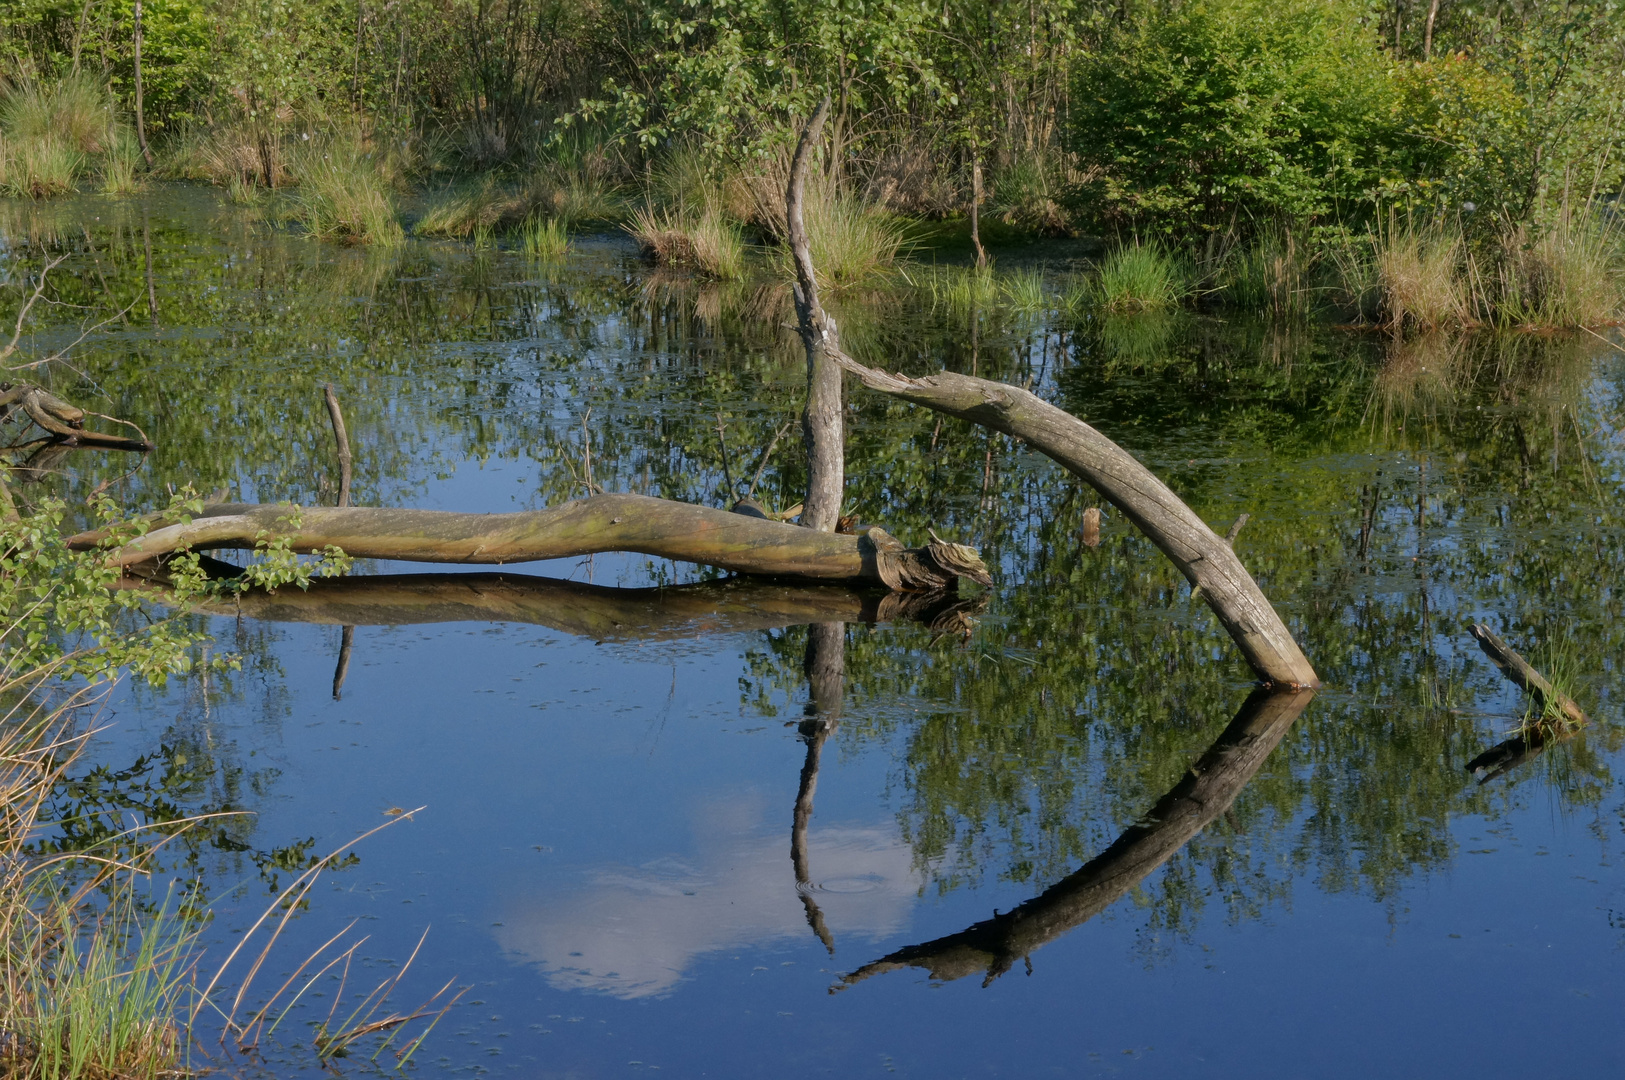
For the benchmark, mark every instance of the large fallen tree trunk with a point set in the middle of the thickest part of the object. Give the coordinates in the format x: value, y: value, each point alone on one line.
x: 1203, y: 556
x: 1206, y: 791
x: 602, y: 523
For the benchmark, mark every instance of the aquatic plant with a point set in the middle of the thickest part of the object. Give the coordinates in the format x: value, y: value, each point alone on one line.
x: 545, y: 238
x: 457, y: 211
x: 341, y: 195
x: 1570, y: 273
x: 708, y: 244
x: 960, y: 290
x: 1140, y: 276
x: 50, y: 132
x: 1419, y: 276
x: 1272, y: 276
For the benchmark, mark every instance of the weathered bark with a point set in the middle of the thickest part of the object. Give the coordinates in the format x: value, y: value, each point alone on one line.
x: 1201, y: 555
x: 1205, y: 792
x: 64, y: 421
x: 1519, y: 670
x: 822, y: 422
x: 659, y: 527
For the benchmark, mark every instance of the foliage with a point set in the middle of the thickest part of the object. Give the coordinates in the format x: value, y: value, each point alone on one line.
x: 1229, y: 107
x: 342, y: 193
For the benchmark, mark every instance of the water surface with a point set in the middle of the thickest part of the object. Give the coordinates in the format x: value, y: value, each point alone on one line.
x: 727, y: 829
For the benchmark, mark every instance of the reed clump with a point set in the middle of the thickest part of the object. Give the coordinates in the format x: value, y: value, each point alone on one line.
x: 343, y: 195
x: 707, y: 243
x: 1141, y: 276
x: 1571, y: 273
x: 52, y: 132
x: 1273, y: 275
x: 545, y: 238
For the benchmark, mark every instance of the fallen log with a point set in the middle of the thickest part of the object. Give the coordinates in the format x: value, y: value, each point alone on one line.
x: 1205, y: 558
x: 1206, y: 791
x: 62, y: 420
x: 600, y: 523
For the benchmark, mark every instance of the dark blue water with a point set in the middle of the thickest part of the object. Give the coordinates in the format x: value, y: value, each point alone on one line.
x: 604, y: 854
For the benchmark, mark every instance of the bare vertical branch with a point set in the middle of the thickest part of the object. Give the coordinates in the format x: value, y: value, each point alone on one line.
x: 341, y: 437
x: 823, y: 425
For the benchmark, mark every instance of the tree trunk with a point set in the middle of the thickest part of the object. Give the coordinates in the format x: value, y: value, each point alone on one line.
x: 1203, y: 557
x: 659, y: 527
x: 140, y: 116
x: 822, y: 423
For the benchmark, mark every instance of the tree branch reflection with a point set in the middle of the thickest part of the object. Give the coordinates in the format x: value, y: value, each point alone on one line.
x: 825, y: 666
x: 1204, y: 793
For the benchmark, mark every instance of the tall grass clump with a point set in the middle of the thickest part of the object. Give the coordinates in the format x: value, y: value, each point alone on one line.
x: 545, y: 238
x: 961, y: 290
x: 1568, y: 274
x: 1419, y: 276
x: 1142, y: 276
x: 51, y: 132
x: 708, y: 244
x: 1270, y: 276
x: 342, y: 194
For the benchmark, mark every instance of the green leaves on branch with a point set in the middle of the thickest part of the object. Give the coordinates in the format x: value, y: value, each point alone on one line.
x: 70, y: 616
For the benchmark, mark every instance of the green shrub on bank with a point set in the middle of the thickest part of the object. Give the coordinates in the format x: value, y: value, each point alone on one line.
x: 1269, y: 109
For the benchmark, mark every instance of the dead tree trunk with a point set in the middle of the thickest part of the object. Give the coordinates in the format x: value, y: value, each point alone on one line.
x: 822, y: 423
x: 659, y: 527
x: 1201, y: 555
x: 825, y: 666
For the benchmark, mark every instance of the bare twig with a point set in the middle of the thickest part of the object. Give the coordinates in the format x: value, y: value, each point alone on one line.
x: 727, y: 468
x: 1235, y: 530
x: 761, y: 462
x: 22, y: 316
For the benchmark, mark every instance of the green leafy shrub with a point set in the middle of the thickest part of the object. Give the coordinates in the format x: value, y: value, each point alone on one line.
x: 1227, y: 110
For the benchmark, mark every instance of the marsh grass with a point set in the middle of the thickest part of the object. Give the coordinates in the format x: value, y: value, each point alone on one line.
x: 1558, y: 658
x: 545, y: 238
x: 708, y: 244
x: 455, y: 212
x: 51, y: 131
x: 1271, y: 276
x: 342, y: 195
x: 1420, y: 275
x: 1568, y: 274
x: 960, y: 291
x: 1141, y: 276
x: 122, y: 168
x: 92, y: 977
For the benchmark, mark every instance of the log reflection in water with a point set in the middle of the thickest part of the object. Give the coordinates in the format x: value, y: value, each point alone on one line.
x: 1204, y: 793
x: 825, y: 666
x: 603, y: 613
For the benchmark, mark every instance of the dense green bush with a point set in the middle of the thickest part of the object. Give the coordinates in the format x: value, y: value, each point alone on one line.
x: 1226, y: 109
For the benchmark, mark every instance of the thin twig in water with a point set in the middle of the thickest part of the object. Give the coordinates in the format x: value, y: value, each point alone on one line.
x: 22, y: 316
x: 761, y: 463
x: 727, y: 467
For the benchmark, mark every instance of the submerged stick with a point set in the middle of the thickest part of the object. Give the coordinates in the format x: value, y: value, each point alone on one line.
x: 342, y: 438
x: 1521, y: 672
x: 601, y: 523
x: 1205, y: 559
